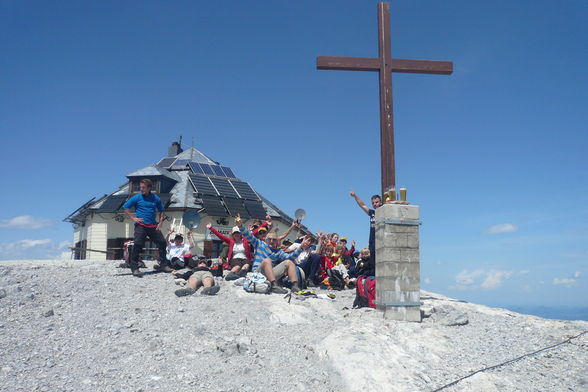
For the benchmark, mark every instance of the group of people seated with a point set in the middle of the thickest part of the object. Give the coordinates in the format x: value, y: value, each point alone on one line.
x: 323, y: 260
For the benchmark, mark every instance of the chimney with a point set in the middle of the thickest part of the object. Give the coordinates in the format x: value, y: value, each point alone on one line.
x: 174, y: 149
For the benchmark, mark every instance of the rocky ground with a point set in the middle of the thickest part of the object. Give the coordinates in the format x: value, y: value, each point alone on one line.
x: 89, y: 326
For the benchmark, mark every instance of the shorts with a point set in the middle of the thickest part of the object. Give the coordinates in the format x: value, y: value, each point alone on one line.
x: 279, y: 270
x: 201, y: 275
x: 238, y: 262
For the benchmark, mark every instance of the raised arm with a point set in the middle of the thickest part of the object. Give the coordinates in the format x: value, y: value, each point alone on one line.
x: 190, y: 239
x: 282, y: 236
x: 169, y: 232
x: 360, y: 202
x: 246, y: 233
x: 218, y: 234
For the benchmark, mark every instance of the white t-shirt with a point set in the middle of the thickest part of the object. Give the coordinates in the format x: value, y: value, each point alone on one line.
x: 178, y: 251
x: 239, y: 251
x: 303, y: 255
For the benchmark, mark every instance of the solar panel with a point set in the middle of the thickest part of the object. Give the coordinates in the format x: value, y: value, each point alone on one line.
x: 244, y: 190
x: 218, y: 171
x: 181, y: 163
x: 255, y: 209
x: 207, y: 169
x: 228, y: 172
x: 235, y: 206
x: 224, y: 188
x: 166, y: 162
x: 213, y: 206
x: 196, y: 168
x: 202, y: 185
x: 112, y: 203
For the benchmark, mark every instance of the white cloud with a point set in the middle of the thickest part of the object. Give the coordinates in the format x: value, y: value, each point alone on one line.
x: 564, y: 282
x: 440, y: 262
x: 427, y: 281
x: 25, y: 222
x: 27, y: 244
x: 34, y: 249
x: 480, y: 279
x: 526, y: 288
x: 494, y: 279
x: 577, y: 274
x: 501, y: 228
x: 524, y: 272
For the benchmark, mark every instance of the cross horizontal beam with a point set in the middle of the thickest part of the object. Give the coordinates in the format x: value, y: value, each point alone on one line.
x: 339, y: 63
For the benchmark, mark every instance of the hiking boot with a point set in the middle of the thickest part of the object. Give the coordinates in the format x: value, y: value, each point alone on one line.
x: 243, y: 273
x: 310, y: 283
x: 185, y: 292
x: 210, y: 290
x: 295, y: 287
x: 278, y: 290
x: 162, y: 268
x: 137, y: 274
x: 232, y: 276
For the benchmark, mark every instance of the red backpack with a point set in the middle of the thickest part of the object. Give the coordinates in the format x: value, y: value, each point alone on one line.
x: 365, y: 292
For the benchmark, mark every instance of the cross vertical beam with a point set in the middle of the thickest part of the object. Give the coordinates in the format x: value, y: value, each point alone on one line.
x: 387, y: 161
x: 385, y: 65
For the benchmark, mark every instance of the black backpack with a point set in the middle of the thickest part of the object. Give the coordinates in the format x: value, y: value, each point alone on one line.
x: 336, y: 279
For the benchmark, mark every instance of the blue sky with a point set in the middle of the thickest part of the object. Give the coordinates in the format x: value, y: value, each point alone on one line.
x: 494, y: 154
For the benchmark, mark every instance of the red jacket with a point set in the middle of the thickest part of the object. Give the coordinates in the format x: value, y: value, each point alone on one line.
x: 327, y: 263
x: 231, y: 242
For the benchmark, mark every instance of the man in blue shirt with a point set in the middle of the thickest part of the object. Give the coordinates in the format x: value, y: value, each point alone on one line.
x: 146, y: 204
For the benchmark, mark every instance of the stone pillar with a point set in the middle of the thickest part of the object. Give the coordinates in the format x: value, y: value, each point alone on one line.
x: 397, y: 262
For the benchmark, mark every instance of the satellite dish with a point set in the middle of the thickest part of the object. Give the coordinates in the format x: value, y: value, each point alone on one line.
x: 299, y: 214
x: 191, y: 219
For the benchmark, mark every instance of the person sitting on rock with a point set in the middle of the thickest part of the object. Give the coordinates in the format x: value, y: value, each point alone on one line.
x: 177, y: 251
x: 331, y: 261
x: 365, y: 265
x: 239, y: 254
x: 270, y: 260
x: 199, y: 276
x: 309, y: 260
x: 345, y: 258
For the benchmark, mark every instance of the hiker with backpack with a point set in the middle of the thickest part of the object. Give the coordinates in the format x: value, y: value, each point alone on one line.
x: 272, y: 261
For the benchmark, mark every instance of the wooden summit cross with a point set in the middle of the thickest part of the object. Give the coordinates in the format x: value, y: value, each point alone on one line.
x: 385, y: 65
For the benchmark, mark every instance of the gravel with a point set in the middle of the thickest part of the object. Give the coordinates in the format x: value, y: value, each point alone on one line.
x: 89, y: 326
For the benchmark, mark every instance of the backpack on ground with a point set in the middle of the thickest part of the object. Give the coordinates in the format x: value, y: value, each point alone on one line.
x: 300, y: 277
x: 336, y: 280
x: 365, y: 292
x: 256, y: 282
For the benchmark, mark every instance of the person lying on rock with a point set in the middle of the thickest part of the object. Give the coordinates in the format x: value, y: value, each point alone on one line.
x: 270, y: 260
x: 239, y: 253
x: 199, y: 276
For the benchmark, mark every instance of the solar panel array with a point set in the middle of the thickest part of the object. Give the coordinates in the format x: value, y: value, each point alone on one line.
x: 224, y: 187
x: 112, y: 203
x: 166, y: 162
x: 180, y: 164
x: 203, y: 185
x: 244, y: 190
x: 255, y: 209
x: 235, y: 206
x: 213, y: 206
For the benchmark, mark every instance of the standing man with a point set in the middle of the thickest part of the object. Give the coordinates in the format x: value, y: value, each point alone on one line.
x: 376, y: 202
x: 146, y: 204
